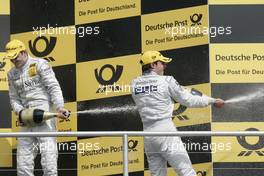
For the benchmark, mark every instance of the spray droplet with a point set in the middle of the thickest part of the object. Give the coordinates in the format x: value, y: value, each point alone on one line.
x: 108, y: 110
x: 247, y: 98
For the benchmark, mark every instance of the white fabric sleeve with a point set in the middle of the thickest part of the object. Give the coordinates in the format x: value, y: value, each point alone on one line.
x: 15, y: 102
x: 184, y: 97
x: 51, y: 83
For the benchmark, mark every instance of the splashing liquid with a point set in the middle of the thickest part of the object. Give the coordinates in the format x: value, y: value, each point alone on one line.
x: 108, y: 110
x: 247, y: 98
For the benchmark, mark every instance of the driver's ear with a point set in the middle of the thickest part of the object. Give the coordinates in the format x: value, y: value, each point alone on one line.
x: 152, y: 65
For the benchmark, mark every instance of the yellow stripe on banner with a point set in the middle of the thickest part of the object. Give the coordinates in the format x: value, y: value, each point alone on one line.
x: 59, y: 39
x: 5, y: 7
x: 193, y: 116
x: 95, y: 86
x: 15, y: 128
x: 237, y: 148
x: 5, y: 150
x: 175, y: 28
x: 93, y: 11
x: 103, y: 155
x: 5, y: 66
x: 68, y: 125
x: 238, y: 2
x: 237, y: 63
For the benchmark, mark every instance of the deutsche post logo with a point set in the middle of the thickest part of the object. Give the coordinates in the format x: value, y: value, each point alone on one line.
x: 64, y: 120
x: 2, y: 65
x: 176, y: 113
x: 132, y: 145
x: 251, y: 148
x: 49, y: 47
x: 116, y: 74
x: 201, y: 173
x: 196, y: 18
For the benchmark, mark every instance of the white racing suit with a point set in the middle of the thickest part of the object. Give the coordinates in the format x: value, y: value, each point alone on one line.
x: 154, y: 96
x: 35, y: 86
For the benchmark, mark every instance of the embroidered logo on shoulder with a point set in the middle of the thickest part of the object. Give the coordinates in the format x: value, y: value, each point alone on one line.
x: 32, y: 71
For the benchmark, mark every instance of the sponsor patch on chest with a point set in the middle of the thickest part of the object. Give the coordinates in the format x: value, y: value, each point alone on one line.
x: 32, y: 70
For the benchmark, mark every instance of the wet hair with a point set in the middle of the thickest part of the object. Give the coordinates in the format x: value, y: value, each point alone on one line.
x: 23, y: 52
x: 147, y: 67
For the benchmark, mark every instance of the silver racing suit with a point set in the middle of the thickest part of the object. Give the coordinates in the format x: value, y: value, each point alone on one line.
x: 154, y: 96
x: 35, y: 86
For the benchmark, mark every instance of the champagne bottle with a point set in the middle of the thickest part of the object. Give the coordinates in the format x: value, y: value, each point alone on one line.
x: 32, y: 117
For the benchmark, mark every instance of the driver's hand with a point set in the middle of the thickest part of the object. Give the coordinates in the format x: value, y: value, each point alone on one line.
x: 219, y: 103
x: 63, y: 113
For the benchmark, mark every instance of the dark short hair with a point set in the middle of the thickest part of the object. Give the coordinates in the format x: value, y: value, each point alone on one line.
x: 147, y: 67
x: 24, y: 51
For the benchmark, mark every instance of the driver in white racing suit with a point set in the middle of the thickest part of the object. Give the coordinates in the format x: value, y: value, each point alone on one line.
x: 32, y: 84
x: 154, y: 95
